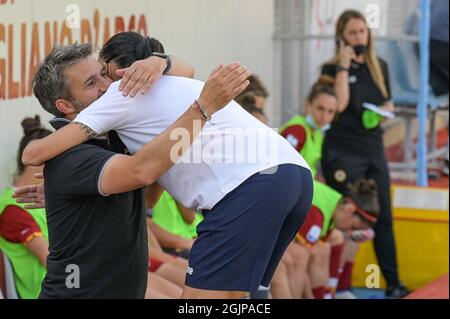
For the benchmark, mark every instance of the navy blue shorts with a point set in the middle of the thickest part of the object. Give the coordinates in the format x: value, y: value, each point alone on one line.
x: 243, y: 237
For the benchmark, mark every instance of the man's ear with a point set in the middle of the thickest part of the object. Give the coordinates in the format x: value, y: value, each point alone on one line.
x: 64, y: 106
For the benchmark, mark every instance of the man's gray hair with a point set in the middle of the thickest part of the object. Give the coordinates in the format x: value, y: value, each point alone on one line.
x: 50, y: 82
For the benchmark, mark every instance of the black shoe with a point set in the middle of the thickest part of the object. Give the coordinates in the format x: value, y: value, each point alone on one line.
x: 396, y: 292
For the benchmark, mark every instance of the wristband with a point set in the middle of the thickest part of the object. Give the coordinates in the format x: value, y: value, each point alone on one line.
x: 340, y: 68
x: 165, y: 57
x: 205, y: 114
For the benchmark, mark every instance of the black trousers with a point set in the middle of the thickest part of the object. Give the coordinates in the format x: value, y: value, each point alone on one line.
x: 341, y: 168
x: 439, y: 67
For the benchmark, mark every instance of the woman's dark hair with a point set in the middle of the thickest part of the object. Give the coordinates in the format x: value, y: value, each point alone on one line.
x: 246, y: 99
x: 32, y: 130
x: 251, y: 108
x: 364, y: 193
x: 128, y: 47
x: 255, y: 88
x: 324, y: 85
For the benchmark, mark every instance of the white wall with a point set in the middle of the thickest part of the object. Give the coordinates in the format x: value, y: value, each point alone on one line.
x: 203, y: 32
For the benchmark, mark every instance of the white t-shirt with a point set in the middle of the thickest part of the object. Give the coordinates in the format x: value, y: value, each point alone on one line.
x: 221, y: 158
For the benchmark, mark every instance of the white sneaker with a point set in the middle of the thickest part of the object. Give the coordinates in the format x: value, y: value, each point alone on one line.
x: 347, y: 294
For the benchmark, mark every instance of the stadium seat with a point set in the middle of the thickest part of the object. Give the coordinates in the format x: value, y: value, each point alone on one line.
x: 404, y: 77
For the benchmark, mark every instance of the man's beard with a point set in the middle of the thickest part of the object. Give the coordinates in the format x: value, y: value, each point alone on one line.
x: 78, y: 105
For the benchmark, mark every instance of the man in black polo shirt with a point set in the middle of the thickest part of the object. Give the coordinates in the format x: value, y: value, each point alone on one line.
x: 98, y: 246
x: 93, y: 196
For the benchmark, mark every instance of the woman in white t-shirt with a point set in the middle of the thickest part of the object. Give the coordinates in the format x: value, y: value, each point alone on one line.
x: 252, y: 187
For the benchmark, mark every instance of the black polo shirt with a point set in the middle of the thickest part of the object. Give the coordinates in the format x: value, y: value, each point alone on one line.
x: 97, y: 244
x: 347, y: 132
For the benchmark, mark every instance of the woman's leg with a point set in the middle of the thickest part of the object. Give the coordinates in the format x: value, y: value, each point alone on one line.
x: 307, y: 292
x: 318, y: 269
x: 346, y: 265
x: 384, y: 241
x: 172, y: 273
x: 336, y: 240
x: 279, y: 287
x: 299, y: 272
x: 162, y: 286
x: 154, y: 294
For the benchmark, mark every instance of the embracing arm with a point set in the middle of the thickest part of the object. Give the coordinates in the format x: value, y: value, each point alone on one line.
x: 143, y: 74
x: 181, y: 68
x: 125, y: 173
x: 42, y: 150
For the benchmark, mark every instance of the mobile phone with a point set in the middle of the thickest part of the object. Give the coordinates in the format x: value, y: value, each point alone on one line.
x: 338, y: 42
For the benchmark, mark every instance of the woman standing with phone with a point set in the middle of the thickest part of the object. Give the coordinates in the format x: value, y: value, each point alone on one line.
x: 353, y: 148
